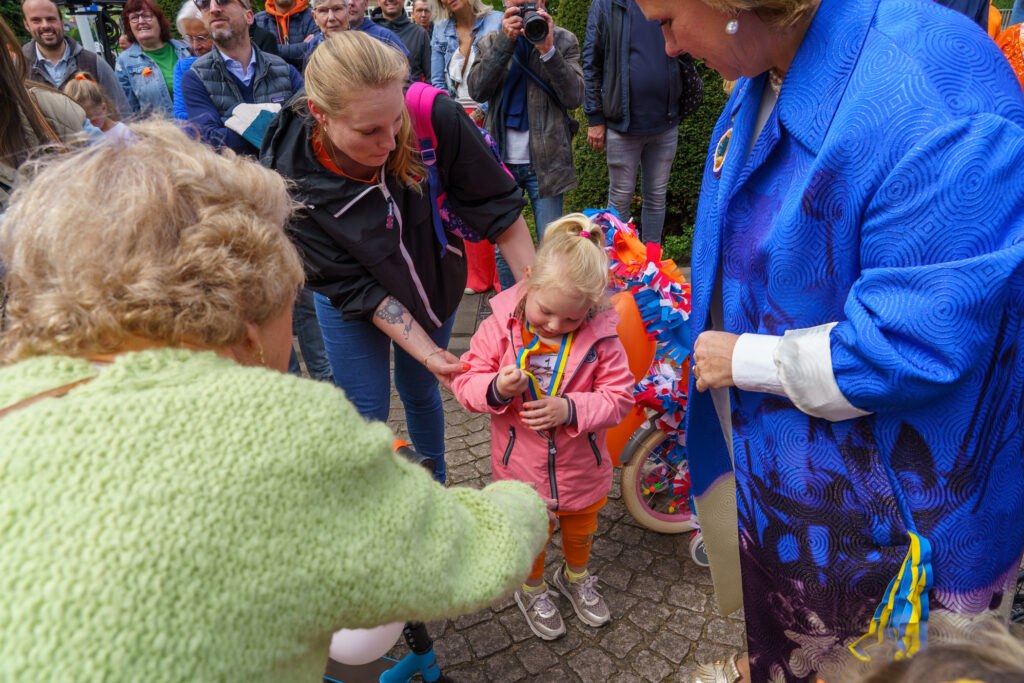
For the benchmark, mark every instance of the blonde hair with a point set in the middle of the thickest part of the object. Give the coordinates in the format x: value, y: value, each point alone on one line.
x: 82, y: 89
x: 437, y: 9
x: 163, y: 239
x: 570, y: 260
x: 347, y: 65
x: 778, y: 14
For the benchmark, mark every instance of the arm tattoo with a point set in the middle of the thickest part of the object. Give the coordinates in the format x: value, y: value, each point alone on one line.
x: 393, y: 312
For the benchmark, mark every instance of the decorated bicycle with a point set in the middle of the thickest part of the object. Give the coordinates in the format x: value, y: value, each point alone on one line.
x: 653, y: 300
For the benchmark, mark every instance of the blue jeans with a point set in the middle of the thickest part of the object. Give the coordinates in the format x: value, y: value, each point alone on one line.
x: 653, y: 155
x: 307, y: 329
x: 545, y: 210
x: 359, y: 355
x: 1017, y: 16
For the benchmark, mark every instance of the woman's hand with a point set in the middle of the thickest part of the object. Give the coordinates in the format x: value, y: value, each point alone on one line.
x: 443, y: 365
x: 712, y: 360
x: 545, y: 413
x: 511, y: 381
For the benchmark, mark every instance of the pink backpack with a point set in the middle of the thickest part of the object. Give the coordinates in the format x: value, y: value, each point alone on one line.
x: 419, y: 100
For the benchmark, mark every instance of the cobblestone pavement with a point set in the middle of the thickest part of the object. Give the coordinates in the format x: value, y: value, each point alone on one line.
x: 665, y: 616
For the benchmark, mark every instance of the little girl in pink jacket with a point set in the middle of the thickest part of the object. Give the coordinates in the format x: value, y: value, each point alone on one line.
x: 550, y: 369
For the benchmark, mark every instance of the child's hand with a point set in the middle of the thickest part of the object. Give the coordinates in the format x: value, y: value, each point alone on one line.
x: 511, y: 381
x: 546, y: 413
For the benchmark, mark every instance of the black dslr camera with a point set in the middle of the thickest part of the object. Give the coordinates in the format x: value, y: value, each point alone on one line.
x: 535, y: 28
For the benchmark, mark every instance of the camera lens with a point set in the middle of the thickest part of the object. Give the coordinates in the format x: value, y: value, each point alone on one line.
x: 535, y: 29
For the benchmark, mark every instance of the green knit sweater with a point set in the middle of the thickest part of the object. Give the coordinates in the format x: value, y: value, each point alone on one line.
x: 183, y: 518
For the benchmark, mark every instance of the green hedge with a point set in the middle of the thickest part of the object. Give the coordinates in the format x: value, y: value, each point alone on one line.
x: 10, y: 10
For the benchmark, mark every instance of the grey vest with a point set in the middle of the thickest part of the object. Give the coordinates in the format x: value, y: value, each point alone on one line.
x: 271, y: 81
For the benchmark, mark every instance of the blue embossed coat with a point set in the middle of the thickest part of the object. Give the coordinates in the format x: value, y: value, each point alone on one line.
x: 885, y: 195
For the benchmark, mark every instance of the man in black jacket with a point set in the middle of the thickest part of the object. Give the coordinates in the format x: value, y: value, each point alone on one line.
x: 630, y: 111
x: 415, y: 39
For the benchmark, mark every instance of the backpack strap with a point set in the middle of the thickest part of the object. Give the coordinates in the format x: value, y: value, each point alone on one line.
x: 419, y: 100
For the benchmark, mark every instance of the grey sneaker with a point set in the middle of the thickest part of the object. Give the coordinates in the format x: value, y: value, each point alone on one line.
x: 590, y: 607
x: 541, y: 614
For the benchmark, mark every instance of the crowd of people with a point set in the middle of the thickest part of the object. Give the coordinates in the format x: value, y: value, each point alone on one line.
x: 181, y: 503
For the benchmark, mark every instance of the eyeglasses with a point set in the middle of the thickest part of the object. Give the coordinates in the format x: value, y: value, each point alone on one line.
x: 327, y: 11
x: 197, y: 39
x: 140, y: 16
x: 204, y: 5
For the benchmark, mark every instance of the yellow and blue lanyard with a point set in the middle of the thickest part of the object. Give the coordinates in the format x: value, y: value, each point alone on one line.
x: 561, y: 363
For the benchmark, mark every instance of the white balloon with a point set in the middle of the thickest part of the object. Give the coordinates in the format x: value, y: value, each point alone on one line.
x: 364, y: 645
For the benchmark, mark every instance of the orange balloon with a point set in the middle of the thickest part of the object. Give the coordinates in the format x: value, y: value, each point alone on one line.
x: 639, y: 349
x: 616, y: 437
x: 995, y: 21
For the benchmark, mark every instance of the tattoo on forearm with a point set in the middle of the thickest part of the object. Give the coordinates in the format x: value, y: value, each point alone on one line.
x: 393, y: 312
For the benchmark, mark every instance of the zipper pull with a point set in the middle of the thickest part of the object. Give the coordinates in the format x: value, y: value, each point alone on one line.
x: 391, y: 213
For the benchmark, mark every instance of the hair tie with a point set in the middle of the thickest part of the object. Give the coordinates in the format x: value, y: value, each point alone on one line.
x: 82, y: 77
x: 585, y: 234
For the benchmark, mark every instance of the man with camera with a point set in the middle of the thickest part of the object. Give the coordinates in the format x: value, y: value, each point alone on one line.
x: 529, y: 74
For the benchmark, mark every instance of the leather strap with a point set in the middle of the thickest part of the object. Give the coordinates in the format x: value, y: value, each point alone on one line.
x: 56, y: 392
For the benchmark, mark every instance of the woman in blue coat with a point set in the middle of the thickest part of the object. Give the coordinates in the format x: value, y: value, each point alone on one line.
x: 858, y: 292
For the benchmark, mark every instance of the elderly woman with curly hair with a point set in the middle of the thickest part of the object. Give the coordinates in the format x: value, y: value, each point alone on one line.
x: 858, y: 263
x: 175, y: 507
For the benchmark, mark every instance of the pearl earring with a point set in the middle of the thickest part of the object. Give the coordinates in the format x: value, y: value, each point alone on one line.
x: 732, y: 27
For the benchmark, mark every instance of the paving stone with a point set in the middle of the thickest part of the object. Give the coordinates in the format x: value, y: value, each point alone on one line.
x: 615, y: 576
x: 670, y: 646
x: 687, y: 596
x: 726, y: 632
x: 536, y: 656
x: 482, y: 450
x: 651, y: 666
x: 625, y: 677
x: 451, y: 650
x: 470, y: 674
x: 619, y: 603
x: 669, y: 569
x: 623, y: 532
x: 648, y: 587
x: 454, y: 458
x: 707, y: 651
x: 467, y: 620
x: 637, y: 558
x: 592, y: 665
x: 605, y: 547
x: 567, y: 643
x: 688, y: 624
x: 515, y: 625
x: 650, y: 617
x: 622, y: 638
x: 559, y: 675
x: 696, y: 574
x: 684, y: 674
x: 488, y: 638
x: 505, y: 667
x: 476, y: 438
x: 483, y: 466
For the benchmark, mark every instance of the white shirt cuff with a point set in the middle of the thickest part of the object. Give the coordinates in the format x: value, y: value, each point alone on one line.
x: 753, y: 364
x: 548, y: 55
x: 803, y: 359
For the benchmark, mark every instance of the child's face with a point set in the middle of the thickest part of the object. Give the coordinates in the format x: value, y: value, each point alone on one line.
x: 96, y: 113
x: 553, y: 312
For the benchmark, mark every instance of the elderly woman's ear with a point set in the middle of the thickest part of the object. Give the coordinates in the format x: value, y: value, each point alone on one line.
x: 269, y: 344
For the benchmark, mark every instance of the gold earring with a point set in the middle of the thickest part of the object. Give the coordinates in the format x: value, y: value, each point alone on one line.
x: 259, y: 354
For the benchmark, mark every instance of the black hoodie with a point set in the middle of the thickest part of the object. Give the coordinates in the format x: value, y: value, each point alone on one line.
x: 361, y: 241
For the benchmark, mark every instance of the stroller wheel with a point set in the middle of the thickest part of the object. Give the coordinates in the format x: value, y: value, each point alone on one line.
x: 697, y: 551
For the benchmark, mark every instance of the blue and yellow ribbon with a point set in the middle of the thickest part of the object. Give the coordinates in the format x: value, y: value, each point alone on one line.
x: 902, y: 615
x: 561, y: 362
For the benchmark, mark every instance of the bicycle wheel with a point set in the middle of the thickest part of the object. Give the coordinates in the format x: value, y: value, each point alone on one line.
x: 649, y: 503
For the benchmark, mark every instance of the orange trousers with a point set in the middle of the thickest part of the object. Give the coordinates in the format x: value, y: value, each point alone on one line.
x: 578, y: 529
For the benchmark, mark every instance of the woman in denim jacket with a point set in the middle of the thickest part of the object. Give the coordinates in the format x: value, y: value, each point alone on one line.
x: 146, y: 69
x: 461, y: 24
